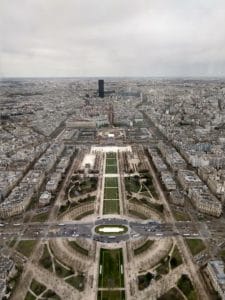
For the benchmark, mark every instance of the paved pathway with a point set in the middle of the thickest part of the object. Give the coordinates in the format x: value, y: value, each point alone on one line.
x: 53, y: 282
x: 160, y: 287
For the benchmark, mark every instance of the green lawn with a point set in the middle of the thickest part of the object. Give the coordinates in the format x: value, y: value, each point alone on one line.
x: 111, y: 193
x: 174, y: 261
x: 222, y: 254
x: 155, y: 206
x: 137, y: 214
x: 185, y: 285
x: 111, y: 182
x: 77, y: 282
x: 149, y: 184
x: 87, y: 199
x: 111, y: 207
x: 111, y: 161
x: 111, y: 295
x: 110, y: 169
x: 49, y: 294
x: 45, y: 260
x: 62, y: 271
x: 172, y: 294
x: 153, y: 191
x: 195, y: 245
x: 81, y: 185
x: 176, y: 258
x: 181, y: 216
x: 40, y: 217
x: 132, y: 184
x: 81, y: 216
x: 26, y: 247
x: 110, y: 275
x: 144, y: 280
x: 30, y: 296
x: 143, y: 247
x: 163, y: 268
x: 37, y: 287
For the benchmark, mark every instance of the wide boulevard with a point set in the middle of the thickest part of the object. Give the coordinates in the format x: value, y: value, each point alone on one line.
x: 85, y: 229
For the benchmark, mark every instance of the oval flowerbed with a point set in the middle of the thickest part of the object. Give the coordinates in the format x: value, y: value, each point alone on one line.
x: 111, y: 229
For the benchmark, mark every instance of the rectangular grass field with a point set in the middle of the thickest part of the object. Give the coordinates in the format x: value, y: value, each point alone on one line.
x: 111, y: 295
x: 111, y: 169
x: 195, y: 245
x: 111, y: 207
x: 111, y: 193
x: 111, y: 269
x: 26, y: 247
x: 111, y: 161
x: 111, y: 182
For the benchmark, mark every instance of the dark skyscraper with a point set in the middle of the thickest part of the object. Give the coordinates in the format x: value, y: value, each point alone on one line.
x: 101, y: 88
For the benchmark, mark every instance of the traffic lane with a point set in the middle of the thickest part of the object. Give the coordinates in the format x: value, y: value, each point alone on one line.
x: 111, y: 221
x: 111, y: 238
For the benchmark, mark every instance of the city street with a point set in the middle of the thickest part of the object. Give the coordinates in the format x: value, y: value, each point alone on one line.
x: 136, y: 229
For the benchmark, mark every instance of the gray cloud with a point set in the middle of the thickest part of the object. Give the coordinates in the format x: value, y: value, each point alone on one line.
x: 112, y: 38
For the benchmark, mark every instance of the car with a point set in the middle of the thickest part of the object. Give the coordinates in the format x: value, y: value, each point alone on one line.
x: 136, y: 235
x: 75, y: 235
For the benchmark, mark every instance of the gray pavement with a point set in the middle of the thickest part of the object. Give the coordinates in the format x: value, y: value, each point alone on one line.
x: 135, y: 229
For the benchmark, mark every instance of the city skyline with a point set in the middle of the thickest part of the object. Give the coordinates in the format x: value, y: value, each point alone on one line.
x: 117, y: 198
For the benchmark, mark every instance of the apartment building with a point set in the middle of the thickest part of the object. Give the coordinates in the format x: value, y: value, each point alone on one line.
x: 205, y: 201
x: 215, y: 269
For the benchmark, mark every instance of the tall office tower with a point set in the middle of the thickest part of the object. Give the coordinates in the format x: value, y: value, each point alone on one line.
x: 101, y: 88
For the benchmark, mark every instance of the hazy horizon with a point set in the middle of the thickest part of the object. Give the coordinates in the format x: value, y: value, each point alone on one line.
x: 114, y: 77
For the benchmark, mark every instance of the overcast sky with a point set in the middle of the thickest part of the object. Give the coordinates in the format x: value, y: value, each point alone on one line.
x: 112, y: 38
